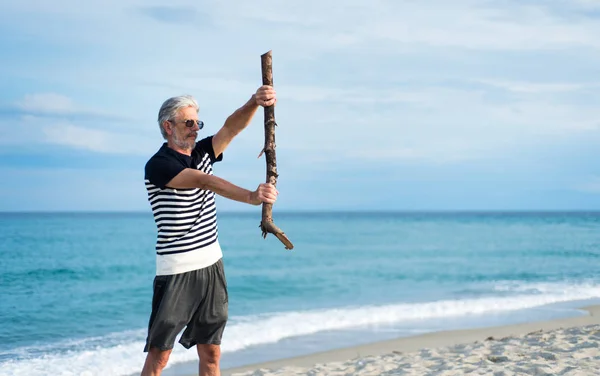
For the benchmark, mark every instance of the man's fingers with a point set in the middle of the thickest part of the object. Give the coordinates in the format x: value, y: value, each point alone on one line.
x: 266, y: 88
x: 266, y: 94
x: 268, y: 200
x: 268, y: 186
x: 267, y: 193
x: 270, y: 194
x: 266, y: 98
x: 265, y: 103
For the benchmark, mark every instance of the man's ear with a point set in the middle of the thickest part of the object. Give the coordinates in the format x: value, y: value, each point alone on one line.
x: 167, y: 127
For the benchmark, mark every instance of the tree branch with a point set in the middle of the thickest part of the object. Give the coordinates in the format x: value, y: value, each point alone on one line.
x: 267, y: 225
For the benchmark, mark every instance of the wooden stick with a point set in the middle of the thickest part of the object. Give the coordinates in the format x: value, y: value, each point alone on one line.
x: 267, y: 225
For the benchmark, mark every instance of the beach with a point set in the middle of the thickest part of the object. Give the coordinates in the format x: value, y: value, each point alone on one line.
x: 568, y: 346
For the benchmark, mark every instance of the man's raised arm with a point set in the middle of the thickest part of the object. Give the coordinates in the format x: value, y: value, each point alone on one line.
x: 191, y: 178
x: 265, y: 96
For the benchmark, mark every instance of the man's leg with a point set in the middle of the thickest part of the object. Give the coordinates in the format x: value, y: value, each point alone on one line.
x: 210, y: 355
x: 173, y: 304
x: 156, y: 361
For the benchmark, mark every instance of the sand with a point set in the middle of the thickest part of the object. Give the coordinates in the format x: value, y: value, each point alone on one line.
x: 568, y: 346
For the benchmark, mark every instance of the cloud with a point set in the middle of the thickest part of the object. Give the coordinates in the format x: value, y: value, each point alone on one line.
x: 173, y: 14
x: 538, y: 88
x: 96, y: 140
x: 353, y: 96
x: 393, y: 27
x: 47, y: 103
x: 433, y: 123
x: 52, y: 106
x: 55, y: 119
x: 32, y: 131
x: 467, y: 24
x: 591, y: 185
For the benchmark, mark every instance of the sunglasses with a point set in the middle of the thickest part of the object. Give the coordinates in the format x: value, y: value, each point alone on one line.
x: 190, y: 123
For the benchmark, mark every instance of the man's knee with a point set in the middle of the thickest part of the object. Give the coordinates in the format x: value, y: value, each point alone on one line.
x: 209, y: 354
x: 158, y: 358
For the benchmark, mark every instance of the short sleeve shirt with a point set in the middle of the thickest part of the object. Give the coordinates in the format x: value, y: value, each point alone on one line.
x: 186, y: 219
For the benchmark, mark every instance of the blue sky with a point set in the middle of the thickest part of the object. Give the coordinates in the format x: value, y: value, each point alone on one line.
x: 395, y: 105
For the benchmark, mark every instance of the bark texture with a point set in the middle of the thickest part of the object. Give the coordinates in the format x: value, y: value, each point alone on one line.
x: 267, y: 225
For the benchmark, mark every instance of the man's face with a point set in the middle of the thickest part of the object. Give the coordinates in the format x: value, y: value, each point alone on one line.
x: 182, y: 136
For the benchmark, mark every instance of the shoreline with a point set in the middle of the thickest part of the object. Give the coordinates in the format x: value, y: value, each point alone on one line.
x: 433, y: 340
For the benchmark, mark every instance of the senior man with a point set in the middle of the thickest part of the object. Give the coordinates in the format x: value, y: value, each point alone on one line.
x: 190, y: 289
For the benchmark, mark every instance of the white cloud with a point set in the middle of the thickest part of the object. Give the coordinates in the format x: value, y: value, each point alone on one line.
x: 433, y: 124
x: 352, y: 95
x: 46, y: 102
x: 467, y: 23
x: 592, y: 185
x: 392, y: 154
x: 97, y: 140
x: 324, y: 24
x: 535, y: 88
x: 55, y: 119
x: 35, y: 130
x: 586, y: 5
x: 78, y: 137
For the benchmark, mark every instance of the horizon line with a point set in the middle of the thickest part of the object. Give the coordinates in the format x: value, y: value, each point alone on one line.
x: 316, y: 211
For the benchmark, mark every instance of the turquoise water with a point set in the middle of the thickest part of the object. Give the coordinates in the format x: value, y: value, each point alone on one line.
x: 76, y: 288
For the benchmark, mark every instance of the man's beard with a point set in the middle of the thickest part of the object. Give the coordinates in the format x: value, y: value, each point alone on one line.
x: 186, y: 143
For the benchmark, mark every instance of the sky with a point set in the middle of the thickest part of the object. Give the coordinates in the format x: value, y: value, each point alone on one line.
x: 382, y: 104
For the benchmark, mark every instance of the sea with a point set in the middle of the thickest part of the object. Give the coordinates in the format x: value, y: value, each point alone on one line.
x: 75, y: 288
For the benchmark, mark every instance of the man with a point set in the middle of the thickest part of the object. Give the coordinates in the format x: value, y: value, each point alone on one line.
x: 190, y: 289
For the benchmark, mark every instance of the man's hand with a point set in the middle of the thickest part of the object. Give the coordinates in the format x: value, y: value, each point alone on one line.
x: 265, y: 192
x: 265, y: 96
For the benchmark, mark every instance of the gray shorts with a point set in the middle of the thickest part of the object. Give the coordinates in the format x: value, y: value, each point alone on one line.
x: 197, y: 301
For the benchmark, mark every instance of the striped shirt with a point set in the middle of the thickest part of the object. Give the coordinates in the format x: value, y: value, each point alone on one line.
x: 186, y: 219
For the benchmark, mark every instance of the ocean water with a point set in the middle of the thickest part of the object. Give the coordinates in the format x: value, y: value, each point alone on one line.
x: 76, y: 287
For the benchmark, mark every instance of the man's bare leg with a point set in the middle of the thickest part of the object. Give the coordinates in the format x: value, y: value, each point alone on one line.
x: 210, y: 356
x: 156, y: 361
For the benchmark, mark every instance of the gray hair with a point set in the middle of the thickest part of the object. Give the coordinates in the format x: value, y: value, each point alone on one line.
x: 170, y: 108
